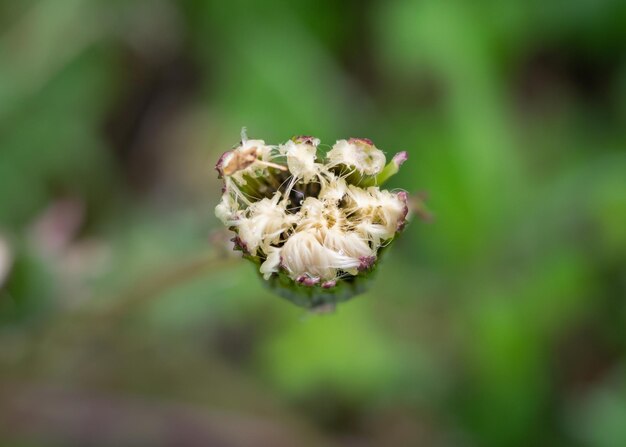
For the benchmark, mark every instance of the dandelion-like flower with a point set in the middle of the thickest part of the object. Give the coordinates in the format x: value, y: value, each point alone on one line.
x: 315, y: 224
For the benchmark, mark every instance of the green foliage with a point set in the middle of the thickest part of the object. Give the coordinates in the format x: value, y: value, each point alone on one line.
x: 501, y: 323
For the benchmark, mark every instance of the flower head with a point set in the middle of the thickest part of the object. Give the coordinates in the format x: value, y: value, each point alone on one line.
x: 313, y: 224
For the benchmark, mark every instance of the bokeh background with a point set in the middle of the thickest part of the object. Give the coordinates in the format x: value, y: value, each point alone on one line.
x: 125, y: 321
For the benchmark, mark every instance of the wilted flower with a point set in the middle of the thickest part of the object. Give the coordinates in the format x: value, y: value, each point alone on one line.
x: 314, y: 224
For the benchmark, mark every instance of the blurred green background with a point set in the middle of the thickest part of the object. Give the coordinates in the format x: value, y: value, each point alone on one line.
x: 124, y: 320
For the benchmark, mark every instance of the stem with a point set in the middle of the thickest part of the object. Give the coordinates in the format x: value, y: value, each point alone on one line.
x: 166, y: 279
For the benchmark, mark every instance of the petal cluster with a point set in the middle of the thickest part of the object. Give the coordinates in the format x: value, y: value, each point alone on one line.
x: 315, y: 220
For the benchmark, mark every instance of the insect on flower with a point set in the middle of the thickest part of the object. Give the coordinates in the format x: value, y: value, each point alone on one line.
x: 314, y: 224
